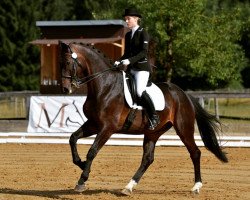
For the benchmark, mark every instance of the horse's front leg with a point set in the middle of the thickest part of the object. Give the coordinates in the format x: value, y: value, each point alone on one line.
x: 147, y: 160
x: 80, y: 133
x: 100, y: 140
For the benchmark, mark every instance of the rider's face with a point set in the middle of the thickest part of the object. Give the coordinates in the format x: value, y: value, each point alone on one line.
x: 131, y: 21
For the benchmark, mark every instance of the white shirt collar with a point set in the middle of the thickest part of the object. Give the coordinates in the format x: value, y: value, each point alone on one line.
x: 133, y: 30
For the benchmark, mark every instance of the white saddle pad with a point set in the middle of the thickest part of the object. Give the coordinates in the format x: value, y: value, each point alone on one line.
x: 154, y: 92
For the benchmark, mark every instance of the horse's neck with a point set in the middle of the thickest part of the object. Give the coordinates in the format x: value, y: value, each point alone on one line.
x: 96, y: 60
x: 102, y: 86
x: 103, y: 81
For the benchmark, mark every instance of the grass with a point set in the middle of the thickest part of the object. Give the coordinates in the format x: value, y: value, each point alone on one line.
x: 231, y: 107
x: 234, y: 114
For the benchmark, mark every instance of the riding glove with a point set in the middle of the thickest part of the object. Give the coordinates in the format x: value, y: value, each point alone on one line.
x: 125, y: 62
x: 122, y: 65
x: 117, y: 63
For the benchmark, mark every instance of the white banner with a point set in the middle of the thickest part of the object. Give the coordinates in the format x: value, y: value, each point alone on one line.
x: 56, y: 113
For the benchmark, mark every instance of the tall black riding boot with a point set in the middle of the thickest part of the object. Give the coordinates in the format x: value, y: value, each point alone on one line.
x: 147, y: 103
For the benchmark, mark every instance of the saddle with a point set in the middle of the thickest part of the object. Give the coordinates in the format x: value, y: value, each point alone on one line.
x: 153, y: 90
x: 131, y: 98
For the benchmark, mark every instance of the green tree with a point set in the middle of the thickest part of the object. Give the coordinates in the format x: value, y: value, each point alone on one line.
x: 53, y: 10
x: 245, y: 40
x: 197, y: 41
x: 210, y: 50
x: 20, y: 61
x: 18, y: 67
x: 65, y: 10
x: 205, y: 49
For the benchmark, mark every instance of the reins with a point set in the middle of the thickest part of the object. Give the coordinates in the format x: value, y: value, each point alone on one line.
x: 93, y: 76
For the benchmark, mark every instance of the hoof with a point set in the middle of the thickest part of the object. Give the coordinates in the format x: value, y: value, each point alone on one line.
x: 196, y: 191
x: 80, y: 188
x: 196, y: 188
x: 126, y: 192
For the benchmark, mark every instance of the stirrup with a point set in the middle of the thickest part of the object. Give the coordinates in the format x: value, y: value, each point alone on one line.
x: 153, y: 122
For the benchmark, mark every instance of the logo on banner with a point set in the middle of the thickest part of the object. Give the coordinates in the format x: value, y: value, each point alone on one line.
x: 61, y: 119
x: 57, y: 114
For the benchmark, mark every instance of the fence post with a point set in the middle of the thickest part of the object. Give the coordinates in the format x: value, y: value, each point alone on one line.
x: 27, y: 104
x: 216, y: 107
x: 201, y: 101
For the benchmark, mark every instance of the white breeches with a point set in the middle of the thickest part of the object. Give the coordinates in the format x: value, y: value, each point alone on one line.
x: 141, y: 80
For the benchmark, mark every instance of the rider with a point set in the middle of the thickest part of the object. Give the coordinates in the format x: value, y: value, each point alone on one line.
x: 135, y: 61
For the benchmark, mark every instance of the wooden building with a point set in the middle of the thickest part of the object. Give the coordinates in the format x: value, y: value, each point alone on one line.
x: 106, y: 35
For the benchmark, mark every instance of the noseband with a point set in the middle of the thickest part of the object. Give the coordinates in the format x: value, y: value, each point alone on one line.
x: 77, y: 82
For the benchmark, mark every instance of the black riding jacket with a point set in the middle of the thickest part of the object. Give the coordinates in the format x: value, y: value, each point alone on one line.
x: 136, y: 50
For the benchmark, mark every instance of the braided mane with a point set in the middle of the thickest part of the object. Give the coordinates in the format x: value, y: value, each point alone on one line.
x: 107, y: 60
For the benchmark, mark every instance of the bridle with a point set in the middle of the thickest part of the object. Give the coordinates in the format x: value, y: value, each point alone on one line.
x: 73, y: 78
x: 77, y: 82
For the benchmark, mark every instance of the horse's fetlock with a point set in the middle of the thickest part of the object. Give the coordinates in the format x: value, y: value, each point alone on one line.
x: 77, y: 162
x: 82, y: 165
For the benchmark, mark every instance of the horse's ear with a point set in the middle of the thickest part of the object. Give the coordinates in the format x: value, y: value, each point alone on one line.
x: 62, y: 46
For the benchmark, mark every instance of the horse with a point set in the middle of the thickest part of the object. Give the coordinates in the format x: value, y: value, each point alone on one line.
x: 106, y: 110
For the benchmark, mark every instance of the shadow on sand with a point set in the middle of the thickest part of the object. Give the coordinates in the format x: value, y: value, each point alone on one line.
x: 57, y: 194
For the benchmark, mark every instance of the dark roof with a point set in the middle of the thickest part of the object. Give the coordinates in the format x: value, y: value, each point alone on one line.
x: 85, y: 41
x: 82, y: 29
x: 81, y: 23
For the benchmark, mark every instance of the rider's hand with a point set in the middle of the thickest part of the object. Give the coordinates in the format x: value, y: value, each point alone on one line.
x: 125, y: 62
x: 117, y: 63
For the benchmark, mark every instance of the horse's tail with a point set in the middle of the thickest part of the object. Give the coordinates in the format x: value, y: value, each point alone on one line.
x: 208, y: 126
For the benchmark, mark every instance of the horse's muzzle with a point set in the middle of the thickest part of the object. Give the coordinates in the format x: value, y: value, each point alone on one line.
x: 66, y: 90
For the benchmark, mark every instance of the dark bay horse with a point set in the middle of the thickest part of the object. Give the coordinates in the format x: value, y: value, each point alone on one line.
x: 106, y: 110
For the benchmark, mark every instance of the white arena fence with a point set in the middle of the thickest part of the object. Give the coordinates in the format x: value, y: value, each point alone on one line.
x: 53, y: 118
x: 116, y: 139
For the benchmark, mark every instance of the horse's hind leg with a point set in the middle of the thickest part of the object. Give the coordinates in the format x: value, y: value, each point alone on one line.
x: 147, y: 160
x: 186, y: 134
